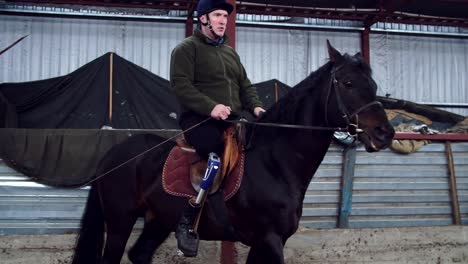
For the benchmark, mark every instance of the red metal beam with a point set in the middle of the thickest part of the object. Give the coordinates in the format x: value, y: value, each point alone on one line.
x: 189, y: 21
x: 163, y: 5
x: 231, y: 26
x: 365, y: 44
x: 435, y: 137
x: 387, y: 11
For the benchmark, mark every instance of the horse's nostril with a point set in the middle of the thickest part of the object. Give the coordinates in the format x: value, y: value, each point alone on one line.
x: 385, y: 132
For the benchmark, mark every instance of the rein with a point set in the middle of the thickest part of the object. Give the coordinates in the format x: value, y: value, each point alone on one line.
x: 351, y: 128
x: 244, y: 121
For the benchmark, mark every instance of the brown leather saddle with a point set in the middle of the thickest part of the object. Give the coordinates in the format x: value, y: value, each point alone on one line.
x: 184, y: 169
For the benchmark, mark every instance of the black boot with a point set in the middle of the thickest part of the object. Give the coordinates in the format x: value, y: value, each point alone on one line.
x: 187, y: 238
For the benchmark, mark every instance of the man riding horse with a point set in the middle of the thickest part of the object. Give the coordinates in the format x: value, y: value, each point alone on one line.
x: 209, y: 81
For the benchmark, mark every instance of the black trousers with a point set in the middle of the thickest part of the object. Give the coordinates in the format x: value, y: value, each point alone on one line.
x: 205, y: 138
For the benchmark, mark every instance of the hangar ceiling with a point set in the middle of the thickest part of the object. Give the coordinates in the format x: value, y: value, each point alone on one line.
x: 426, y: 12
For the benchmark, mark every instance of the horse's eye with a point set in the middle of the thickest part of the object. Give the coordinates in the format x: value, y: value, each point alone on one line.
x: 348, y: 84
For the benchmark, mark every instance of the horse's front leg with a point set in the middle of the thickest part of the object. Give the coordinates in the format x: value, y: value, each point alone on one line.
x: 267, y: 249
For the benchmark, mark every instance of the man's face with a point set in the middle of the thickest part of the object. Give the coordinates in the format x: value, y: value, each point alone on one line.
x: 218, y: 19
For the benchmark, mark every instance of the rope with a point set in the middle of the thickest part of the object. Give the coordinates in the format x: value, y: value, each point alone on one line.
x: 142, y: 153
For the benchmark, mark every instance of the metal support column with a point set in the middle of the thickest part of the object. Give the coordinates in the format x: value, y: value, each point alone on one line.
x: 349, y: 161
x: 365, y: 46
x: 452, y: 185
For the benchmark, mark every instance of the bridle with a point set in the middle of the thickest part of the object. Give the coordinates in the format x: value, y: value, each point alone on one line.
x: 352, y: 128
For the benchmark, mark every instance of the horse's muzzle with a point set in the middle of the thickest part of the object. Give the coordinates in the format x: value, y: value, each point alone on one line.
x: 377, y: 138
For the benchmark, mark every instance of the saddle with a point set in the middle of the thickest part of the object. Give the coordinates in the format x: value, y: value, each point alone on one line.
x: 184, y: 169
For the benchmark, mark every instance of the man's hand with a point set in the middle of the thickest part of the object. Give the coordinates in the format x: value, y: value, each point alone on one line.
x: 220, y: 111
x: 258, y: 111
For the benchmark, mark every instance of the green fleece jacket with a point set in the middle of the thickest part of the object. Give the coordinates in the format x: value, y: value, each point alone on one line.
x: 204, y: 74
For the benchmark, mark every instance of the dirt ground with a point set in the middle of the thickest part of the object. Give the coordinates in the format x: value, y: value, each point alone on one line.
x: 419, y: 245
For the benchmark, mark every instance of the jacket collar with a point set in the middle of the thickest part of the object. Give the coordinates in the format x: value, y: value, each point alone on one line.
x: 199, y: 34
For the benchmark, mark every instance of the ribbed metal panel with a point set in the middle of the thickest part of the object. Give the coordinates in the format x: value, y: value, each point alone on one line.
x: 416, y: 68
x: 288, y: 55
x: 407, y: 190
x: 321, y: 201
x: 389, y: 190
x: 395, y: 27
x: 421, y: 69
x: 31, y: 208
x: 58, y: 46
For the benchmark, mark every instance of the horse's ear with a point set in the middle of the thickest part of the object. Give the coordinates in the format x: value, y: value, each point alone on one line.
x: 335, y: 56
x: 358, y: 55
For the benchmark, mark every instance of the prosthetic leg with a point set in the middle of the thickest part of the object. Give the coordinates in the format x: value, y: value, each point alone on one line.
x: 186, y: 232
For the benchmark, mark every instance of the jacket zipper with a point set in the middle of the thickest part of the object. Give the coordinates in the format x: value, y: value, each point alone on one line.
x: 225, y: 77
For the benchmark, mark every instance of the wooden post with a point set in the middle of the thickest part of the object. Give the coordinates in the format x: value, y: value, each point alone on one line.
x: 111, y: 69
x: 276, y: 92
x: 349, y: 161
x: 453, y: 185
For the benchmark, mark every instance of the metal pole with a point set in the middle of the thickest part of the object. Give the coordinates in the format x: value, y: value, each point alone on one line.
x: 349, y: 161
x: 365, y: 46
x: 453, y: 185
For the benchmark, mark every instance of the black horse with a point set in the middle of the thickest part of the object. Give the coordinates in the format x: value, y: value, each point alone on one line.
x: 279, y: 166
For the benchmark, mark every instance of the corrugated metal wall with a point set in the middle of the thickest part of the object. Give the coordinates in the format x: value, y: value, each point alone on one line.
x: 408, y: 190
x: 389, y: 190
x: 58, y: 46
x: 421, y: 69
x: 386, y: 193
x: 30, y: 208
x: 288, y: 55
x: 416, y: 68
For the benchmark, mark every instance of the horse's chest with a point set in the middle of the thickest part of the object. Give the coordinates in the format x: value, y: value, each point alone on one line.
x: 281, y: 216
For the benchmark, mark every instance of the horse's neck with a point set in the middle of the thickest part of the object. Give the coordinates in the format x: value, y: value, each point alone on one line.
x: 300, y: 153
x: 297, y: 153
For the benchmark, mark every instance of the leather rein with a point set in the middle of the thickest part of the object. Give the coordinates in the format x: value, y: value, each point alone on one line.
x: 352, y: 128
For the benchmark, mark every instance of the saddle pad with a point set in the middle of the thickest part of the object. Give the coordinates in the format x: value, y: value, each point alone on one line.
x: 176, y: 174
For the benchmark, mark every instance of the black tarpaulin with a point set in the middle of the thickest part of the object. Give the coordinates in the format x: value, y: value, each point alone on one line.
x: 140, y: 99
x: 51, y: 128
x: 271, y: 91
x: 62, y: 157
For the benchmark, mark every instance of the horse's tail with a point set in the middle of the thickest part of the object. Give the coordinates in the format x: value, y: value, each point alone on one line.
x: 90, y: 239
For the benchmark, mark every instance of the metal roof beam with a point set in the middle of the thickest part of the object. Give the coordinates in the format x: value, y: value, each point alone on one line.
x: 386, y: 8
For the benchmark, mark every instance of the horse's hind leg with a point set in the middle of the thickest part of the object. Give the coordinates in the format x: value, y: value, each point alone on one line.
x: 153, y: 235
x: 117, y: 234
x: 268, y: 249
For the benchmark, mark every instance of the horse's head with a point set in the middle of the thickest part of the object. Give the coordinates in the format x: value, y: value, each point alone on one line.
x: 351, y: 100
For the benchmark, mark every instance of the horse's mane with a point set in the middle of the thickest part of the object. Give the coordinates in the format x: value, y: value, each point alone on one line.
x: 285, y: 109
x: 359, y: 63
